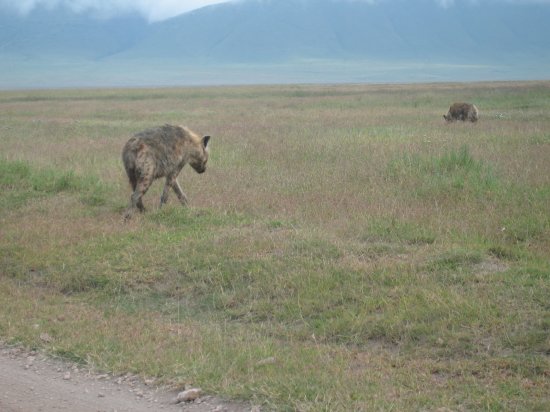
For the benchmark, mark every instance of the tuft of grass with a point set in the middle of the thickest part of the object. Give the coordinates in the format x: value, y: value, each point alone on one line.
x: 12, y: 173
x: 503, y: 252
x: 23, y: 183
x: 452, y: 173
x: 525, y: 228
x: 392, y: 230
x: 454, y: 260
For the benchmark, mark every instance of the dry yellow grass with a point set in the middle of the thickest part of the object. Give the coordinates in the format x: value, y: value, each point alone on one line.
x: 344, y: 226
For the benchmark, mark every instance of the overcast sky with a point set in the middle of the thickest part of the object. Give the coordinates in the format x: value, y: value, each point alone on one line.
x: 155, y: 10
x: 151, y: 9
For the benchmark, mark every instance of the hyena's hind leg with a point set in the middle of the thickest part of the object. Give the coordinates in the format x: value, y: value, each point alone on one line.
x: 136, y: 200
x: 139, y: 204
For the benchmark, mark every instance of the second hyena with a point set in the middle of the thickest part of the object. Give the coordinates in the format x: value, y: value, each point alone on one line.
x: 162, y: 152
x: 462, y: 111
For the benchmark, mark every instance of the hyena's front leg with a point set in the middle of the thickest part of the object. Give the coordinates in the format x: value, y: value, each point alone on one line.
x: 165, y: 192
x: 179, y: 193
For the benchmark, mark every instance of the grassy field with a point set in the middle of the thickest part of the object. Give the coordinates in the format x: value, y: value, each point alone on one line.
x: 345, y: 250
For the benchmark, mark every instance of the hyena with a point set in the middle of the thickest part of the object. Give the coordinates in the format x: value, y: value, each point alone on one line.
x: 162, y: 152
x: 462, y: 111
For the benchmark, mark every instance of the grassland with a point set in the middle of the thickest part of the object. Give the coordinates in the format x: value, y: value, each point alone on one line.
x: 345, y: 250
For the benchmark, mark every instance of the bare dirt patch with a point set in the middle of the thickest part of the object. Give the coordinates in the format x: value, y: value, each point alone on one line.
x: 32, y: 381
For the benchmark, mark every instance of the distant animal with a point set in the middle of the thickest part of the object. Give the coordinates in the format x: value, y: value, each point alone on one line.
x: 162, y: 152
x: 462, y: 111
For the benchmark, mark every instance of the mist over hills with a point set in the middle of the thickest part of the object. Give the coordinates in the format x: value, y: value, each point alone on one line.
x: 60, y: 33
x: 505, y: 39
x: 292, y: 29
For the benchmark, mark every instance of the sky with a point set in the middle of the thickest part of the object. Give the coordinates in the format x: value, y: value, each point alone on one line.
x: 155, y: 10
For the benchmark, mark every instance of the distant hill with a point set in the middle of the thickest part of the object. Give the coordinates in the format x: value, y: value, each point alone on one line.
x: 283, y: 31
x: 279, y: 30
x: 61, y: 33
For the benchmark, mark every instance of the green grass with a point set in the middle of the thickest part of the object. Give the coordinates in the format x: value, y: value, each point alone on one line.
x: 379, y: 258
x: 23, y: 183
x: 455, y: 170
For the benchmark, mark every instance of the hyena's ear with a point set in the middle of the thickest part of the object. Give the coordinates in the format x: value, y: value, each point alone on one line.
x: 205, y: 140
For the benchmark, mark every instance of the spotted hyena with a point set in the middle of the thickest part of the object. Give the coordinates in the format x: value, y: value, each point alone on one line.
x: 462, y: 111
x: 162, y: 152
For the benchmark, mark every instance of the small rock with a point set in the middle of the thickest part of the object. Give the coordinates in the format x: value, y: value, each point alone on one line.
x: 189, y: 395
x: 67, y: 376
x: 267, y: 361
x: 100, y: 395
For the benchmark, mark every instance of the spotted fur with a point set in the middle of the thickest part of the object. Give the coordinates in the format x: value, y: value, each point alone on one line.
x: 162, y: 152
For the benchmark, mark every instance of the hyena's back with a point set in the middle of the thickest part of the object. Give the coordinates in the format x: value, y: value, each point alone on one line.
x: 154, y: 152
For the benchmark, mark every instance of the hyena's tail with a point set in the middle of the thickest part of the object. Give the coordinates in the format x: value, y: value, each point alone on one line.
x: 129, y: 160
x: 132, y: 176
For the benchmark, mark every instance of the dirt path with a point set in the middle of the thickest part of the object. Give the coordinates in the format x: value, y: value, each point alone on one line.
x: 31, y: 382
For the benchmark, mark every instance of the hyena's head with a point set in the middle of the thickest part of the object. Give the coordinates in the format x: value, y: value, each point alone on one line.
x: 199, y: 154
x: 449, y: 117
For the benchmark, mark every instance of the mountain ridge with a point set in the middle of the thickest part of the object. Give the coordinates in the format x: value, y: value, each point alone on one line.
x: 285, y: 31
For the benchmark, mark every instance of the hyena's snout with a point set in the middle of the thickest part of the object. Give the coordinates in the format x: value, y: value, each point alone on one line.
x: 199, y: 167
